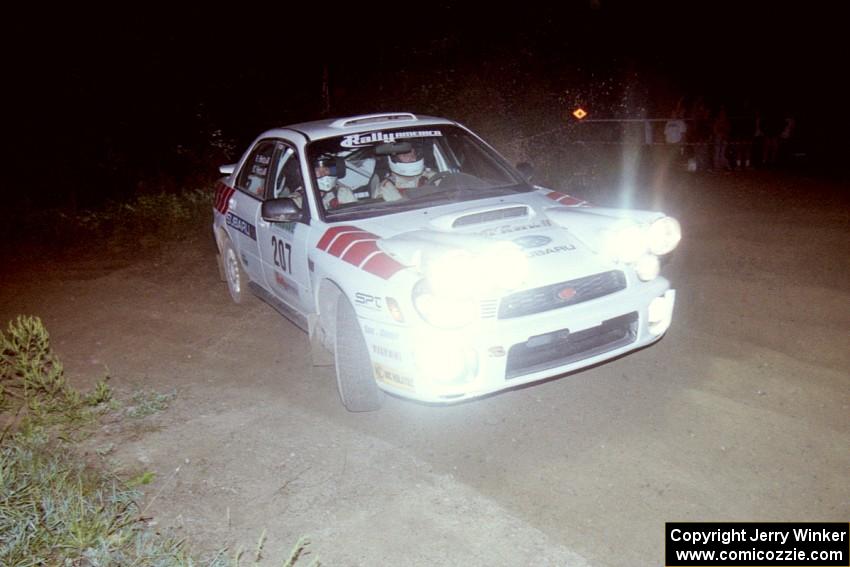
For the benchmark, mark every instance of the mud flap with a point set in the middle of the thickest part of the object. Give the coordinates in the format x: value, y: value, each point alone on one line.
x: 320, y: 355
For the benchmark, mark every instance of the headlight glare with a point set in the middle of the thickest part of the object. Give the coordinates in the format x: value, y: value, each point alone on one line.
x: 648, y: 267
x: 664, y: 235
x: 448, y: 311
x: 625, y: 243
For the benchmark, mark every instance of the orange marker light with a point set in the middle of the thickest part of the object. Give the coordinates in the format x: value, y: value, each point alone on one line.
x: 579, y: 113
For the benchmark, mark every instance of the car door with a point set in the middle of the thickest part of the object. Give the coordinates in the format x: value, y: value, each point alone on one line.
x: 283, y: 246
x: 244, y: 210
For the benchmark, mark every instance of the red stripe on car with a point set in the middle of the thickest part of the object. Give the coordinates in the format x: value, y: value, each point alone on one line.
x: 332, y: 233
x: 570, y: 200
x: 360, y: 251
x: 344, y: 240
x: 566, y: 200
x: 382, y: 265
x: 222, y: 198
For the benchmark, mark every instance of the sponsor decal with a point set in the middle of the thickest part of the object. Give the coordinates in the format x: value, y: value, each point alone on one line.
x: 551, y: 250
x: 223, y: 193
x: 359, y: 140
x: 368, y: 301
x: 241, y: 225
x: 392, y: 378
x: 509, y: 228
x: 532, y: 241
x: 358, y: 248
x: 285, y: 283
x: 567, y: 200
x: 386, y: 353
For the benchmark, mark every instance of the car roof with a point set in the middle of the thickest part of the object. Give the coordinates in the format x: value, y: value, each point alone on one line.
x: 319, y: 129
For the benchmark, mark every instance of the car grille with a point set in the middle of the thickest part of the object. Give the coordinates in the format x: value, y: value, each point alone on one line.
x: 561, y: 294
x: 562, y: 347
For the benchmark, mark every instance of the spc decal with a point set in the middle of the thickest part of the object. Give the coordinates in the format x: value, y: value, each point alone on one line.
x: 392, y: 378
x: 360, y: 140
x: 368, y: 301
x: 241, y: 225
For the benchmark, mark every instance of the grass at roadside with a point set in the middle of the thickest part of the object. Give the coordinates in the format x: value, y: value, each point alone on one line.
x: 55, y: 507
x: 129, y: 226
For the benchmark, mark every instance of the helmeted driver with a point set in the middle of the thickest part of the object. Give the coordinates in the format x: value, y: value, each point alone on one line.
x: 407, y: 171
x: 333, y: 192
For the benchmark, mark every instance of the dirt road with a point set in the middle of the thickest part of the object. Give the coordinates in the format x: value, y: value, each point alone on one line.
x: 742, y: 412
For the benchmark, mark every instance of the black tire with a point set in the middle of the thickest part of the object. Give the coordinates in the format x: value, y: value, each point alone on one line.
x: 234, y: 273
x: 354, y: 377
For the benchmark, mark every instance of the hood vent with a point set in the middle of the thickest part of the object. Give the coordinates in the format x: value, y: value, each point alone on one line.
x: 489, y: 216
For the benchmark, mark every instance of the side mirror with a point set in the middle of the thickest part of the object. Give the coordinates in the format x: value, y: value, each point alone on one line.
x: 227, y: 169
x: 526, y: 170
x: 280, y: 210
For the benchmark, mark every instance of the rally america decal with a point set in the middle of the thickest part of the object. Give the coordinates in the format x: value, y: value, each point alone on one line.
x: 223, y: 193
x: 241, y: 225
x: 358, y: 248
x: 567, y: 200
x: 360, y: 140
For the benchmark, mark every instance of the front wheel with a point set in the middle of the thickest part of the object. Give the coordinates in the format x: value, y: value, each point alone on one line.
x: 354, y: 377
x: 234, y: 273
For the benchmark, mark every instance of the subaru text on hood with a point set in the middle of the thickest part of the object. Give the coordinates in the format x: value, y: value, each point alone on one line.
x: 428, y: 266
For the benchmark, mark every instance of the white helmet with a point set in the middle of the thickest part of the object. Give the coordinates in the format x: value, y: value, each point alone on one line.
x: 408, y: 164
x: 326, y: 182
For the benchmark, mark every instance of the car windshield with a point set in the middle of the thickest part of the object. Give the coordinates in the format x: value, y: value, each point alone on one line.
x: 386, y: 171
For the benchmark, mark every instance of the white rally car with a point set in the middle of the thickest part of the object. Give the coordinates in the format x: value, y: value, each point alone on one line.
x: 466, y: 281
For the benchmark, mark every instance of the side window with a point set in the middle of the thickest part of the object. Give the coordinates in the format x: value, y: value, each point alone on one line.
x: 288, y: 179
x: 252, y: 178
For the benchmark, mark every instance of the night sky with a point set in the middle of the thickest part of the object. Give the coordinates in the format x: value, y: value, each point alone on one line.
x: 111, y: 102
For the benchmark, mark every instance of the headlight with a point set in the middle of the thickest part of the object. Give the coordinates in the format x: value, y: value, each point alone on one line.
x: 452, y: 273
x: 444, y: 310
x: 664, y: 234
x: 626, y: 242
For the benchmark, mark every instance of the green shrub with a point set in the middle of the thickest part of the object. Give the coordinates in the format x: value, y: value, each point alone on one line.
x: 54, y: 508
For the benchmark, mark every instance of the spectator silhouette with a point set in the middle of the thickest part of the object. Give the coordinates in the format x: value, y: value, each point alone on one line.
x: 720, y: 129
x: 787, y: 138
x: 700, y: 135
x: 742, y: 137
x: 674, y: 133
x: 772, y: 127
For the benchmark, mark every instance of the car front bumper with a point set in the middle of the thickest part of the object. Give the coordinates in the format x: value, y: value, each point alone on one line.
x: 450, y: 366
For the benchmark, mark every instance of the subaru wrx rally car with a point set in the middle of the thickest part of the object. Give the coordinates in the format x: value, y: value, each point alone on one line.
x: 428, y: 266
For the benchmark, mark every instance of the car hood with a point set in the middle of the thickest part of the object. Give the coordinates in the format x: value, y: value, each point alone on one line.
x: 554, y: 239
